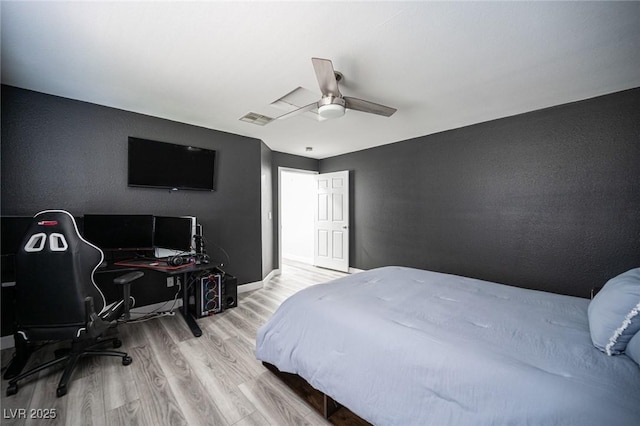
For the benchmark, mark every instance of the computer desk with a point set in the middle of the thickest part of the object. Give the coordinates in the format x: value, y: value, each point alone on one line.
x: 185, y: 272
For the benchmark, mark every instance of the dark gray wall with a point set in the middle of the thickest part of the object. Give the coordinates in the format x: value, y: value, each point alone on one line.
x: 61, y: 153
x: 547, y: 200
x: 281, y: 159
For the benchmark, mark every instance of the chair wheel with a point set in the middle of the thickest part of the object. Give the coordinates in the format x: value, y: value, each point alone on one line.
x: 117, y: 343
x: 126, y: 360
x: 61, y: 391
x: 12, y: 389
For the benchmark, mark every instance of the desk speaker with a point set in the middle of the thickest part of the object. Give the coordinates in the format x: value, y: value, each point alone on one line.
x: 208, y: 296
x: 230, y: 285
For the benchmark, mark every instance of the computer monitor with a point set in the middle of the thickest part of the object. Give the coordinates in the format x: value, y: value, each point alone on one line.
x: 13, y: 230
x: 119, y: 232
x: 174, y: 233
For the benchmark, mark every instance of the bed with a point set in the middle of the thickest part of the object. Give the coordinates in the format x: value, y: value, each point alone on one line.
x: 402, y: 346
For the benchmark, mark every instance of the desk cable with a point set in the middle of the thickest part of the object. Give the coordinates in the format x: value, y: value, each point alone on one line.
x: 156, y: 313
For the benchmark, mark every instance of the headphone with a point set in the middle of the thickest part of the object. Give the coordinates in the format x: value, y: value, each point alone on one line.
x: 175, y: 260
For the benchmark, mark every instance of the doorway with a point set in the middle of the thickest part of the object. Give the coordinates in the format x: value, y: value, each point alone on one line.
x: 297, y: 201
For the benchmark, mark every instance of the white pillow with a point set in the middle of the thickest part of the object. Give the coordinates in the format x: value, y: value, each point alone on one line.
x: 614, y: 313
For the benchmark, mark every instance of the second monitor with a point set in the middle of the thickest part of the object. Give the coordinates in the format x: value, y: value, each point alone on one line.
x: 174, y: 235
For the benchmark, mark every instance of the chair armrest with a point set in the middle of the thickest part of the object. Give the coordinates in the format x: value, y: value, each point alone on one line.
x: 125, y: 281
x: 89, y: 310
x: 91, y: 317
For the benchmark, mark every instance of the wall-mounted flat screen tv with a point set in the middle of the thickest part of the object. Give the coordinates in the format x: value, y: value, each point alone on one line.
x: 166, y: 165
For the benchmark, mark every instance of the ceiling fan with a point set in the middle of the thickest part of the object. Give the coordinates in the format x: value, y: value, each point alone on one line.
x: 333, y: 104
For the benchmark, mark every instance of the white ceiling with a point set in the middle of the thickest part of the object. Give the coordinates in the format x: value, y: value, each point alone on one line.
x: 443, y: 65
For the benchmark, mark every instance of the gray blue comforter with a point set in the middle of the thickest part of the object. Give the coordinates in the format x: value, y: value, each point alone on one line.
x: 401, y: 346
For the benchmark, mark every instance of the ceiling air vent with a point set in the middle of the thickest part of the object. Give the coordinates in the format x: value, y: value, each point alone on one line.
x: 256, y: 118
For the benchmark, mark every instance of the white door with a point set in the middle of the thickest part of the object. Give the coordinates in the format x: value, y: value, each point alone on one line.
x: 331, y: 230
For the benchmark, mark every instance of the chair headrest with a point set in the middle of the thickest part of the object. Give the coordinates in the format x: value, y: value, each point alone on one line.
x: 51, y: 231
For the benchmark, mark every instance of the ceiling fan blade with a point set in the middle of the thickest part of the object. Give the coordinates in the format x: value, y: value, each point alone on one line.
x: 326, y: 77
x: 366, y: 106
x: 298, y: 111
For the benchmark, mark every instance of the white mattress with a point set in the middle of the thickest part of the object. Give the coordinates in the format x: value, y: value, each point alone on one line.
x: 410, y: 347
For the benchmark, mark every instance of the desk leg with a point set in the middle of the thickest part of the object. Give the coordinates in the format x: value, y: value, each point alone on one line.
x: 23, y: 352
x: 191, y: 322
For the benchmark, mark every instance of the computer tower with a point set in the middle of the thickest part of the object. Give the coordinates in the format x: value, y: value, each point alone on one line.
x: 208, y: 295
x: 230, y: 286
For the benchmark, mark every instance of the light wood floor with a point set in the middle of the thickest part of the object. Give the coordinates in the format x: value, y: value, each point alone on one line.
x: 176, y: 378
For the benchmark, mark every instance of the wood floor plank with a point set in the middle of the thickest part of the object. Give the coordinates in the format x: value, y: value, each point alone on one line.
x: 250, y: 315
x: 250, y: 321
x: 44, y: 392
x: 257, y: 310
x: 118, y: 383
x: 265, y: 302
x: 244, y: 327
x: 130, y: 414
x: 132, y: 335
x: 85, y: 402
x: 253, y: 419
x: 316, y: 419
x: 187, y: 387
x: 246, y: 353
x: 272, y: 296
x: 176, y: 327
x: 222, y: 327
x: 165, y: 350
x: 218, y: 384
x: 156, y: 395
x: 286, y: 287
x: 195, y: 401
x: 235, y: 367
x: 22, y: 400
x: 277, y: 403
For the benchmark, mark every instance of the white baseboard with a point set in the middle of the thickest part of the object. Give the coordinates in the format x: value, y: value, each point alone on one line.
x: 270, y: 275
x: 296, y: 258
x: 355, y: 270
x: 243, y: 288
x: 257, y: 285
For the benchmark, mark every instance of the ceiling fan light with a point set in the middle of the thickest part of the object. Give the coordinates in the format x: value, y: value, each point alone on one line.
x: 331, y: 111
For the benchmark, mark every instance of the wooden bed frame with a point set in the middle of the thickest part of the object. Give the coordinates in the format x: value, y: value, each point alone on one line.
x: 329, y: 408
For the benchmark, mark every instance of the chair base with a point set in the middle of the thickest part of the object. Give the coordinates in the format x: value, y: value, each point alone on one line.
x: 69, y: 358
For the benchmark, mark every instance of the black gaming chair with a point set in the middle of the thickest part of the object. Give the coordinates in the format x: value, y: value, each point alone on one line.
x: 57, y: 297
